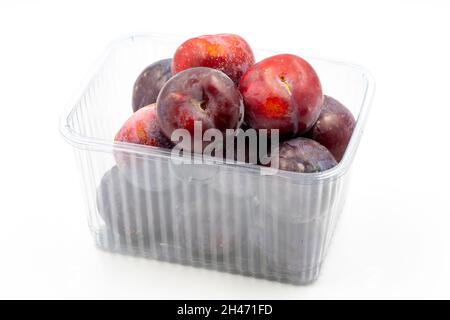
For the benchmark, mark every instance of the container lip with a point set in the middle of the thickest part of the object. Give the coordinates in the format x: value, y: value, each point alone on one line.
x: 85, y: 142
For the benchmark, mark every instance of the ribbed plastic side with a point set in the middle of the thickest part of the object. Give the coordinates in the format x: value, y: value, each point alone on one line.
x: 212, y: 217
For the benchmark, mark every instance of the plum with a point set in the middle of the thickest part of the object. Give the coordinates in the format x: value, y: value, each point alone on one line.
x: 122, y: 206
x: 149, y: 83
x: 287, y: 247
x: 202, y: 237
x: 226, y: 52
x: 303, y: 155
x: 212, y: 225
x: 143, y: 128
x: 334, y: 127
x: 202, y: 95
x: 134, y: 215
x: 282, y: 92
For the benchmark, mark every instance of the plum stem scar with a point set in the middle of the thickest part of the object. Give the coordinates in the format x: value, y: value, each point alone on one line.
x: 200, y: 105
x: 286, y: 85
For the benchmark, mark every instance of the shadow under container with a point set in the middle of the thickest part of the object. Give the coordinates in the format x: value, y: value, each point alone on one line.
x: 227, y: 217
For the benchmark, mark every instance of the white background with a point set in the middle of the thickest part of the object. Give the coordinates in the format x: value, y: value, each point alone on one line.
x: 393, y: 240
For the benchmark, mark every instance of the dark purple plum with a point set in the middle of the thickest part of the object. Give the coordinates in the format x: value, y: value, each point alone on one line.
x: 303, y: 155
x: 149, y: 83
x: 288, y: 247
x: 122, y: 206
x: 334, y: 127
x: 199, y: 94
x: 207, y: 230
x: 128, y: 211
x: 202, y: 237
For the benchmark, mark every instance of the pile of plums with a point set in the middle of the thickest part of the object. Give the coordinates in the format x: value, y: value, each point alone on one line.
x: 214, y: 79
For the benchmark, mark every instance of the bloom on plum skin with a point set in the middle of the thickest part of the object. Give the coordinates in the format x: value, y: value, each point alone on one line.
x: 143, y: 128
x: 148, y: 84
x: 303, y: 155
x: 334, y: 128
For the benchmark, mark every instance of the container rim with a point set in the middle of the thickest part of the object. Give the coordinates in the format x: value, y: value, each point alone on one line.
x: 91, y: 143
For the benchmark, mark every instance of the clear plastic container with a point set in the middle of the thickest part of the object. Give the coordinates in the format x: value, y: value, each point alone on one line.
x: 227, y: 217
